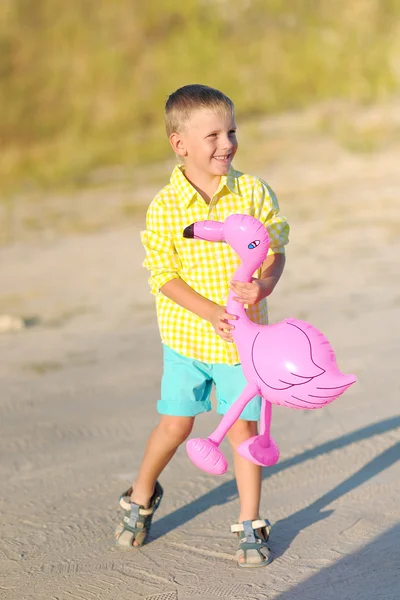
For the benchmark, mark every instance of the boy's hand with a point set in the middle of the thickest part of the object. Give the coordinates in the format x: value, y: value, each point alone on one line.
x: 219, y: 320
x: 251, y: 293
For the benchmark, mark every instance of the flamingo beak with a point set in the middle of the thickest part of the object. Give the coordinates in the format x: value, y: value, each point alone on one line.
x: 188, y: 232
x: 211, y: 231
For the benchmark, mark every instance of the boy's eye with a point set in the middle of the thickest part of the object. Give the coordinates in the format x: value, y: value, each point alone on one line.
x: 212, y: 135
x: 232, y: 132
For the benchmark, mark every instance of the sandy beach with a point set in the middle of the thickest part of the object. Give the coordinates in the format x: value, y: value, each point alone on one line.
x: 81, y: 380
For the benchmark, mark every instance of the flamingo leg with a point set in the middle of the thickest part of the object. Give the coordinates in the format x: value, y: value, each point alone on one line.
x: 261, y: 449
x: 204, y: 453
x: 233, y: 413
x: 265, y: 423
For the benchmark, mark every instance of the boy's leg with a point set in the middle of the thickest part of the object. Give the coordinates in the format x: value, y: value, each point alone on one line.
x: 248, y: 481
x: 230, y: 381
x: 146, y: 493
x: 162, y: 444
x: 248, y: 475
x: 185, y: 392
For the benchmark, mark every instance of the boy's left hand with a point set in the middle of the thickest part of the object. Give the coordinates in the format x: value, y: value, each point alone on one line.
x: 251, y: 293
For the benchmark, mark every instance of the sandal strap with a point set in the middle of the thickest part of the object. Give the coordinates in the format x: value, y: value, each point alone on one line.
x: 129, y: 505
x: 136, y: 509
x: 257, y: 524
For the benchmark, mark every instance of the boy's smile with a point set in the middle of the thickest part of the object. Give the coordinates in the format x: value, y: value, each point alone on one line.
x: 225, y: 159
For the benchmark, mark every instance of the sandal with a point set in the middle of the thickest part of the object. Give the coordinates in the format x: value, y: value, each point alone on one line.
x: 253, y: 546
x: 137, y: 519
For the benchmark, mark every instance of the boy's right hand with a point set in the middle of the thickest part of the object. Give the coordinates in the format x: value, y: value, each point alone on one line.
x: 219, y: 320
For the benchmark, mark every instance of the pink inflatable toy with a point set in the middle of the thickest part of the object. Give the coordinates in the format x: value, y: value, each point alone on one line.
x: 289, y: 363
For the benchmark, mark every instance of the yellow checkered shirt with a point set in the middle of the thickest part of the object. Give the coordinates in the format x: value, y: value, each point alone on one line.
x: 207, y: 267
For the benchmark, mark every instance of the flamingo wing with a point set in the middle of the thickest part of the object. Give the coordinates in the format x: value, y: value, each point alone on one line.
x: 296, y: 365
x: 282, y: 355
x: 318, y: 392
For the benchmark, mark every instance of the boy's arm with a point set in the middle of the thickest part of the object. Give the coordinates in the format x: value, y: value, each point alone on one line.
x: 267, y: 211
x: 164, y: 265
x: 180, y: 292
x: 271, y: 272
x: 251, y: 293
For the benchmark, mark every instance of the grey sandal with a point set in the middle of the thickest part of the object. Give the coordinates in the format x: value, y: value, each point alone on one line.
x: 253, y: 546
x: 137, y: 520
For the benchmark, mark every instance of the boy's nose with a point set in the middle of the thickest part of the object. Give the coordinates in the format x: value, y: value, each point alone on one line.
x: 227, y: 144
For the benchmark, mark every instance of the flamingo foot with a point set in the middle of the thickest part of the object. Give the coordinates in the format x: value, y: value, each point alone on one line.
x: 206, y: 455
x: 254, y: 449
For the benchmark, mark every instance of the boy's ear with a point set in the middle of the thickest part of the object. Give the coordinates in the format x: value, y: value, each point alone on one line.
x: 177, y: 144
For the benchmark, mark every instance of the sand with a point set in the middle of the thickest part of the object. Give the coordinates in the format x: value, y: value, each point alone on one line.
x: 79, y: 387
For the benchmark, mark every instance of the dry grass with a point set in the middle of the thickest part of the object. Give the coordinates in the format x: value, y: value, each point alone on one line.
x: 82, y: 84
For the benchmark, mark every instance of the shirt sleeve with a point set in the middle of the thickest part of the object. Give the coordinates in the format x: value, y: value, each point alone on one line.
x: 267, y: 211
x: 161, y: 259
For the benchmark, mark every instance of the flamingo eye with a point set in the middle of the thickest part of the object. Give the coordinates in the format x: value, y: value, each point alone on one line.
x: 253, y: 244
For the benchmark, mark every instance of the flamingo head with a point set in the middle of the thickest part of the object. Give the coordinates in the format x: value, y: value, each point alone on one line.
x: 244, y: 234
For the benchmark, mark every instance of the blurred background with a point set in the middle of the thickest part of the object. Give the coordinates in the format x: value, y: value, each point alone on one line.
x: 83, y: 152
x: 83, y: 85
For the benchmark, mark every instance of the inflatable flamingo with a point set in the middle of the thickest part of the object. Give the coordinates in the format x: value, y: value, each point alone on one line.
x: 289, y: 363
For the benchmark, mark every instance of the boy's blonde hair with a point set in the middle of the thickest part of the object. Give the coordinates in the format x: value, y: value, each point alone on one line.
x: 185, y: 100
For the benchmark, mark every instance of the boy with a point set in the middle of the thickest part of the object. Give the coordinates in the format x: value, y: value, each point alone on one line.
x: 190, y: 281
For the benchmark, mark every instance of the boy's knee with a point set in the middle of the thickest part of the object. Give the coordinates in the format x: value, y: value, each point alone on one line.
x: 176, y: 428
x: 241, y: 431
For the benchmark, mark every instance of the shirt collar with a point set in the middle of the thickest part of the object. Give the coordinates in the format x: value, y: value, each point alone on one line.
x: 187, y: 192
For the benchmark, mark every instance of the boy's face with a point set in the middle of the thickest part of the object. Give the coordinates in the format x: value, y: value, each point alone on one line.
x: 208, y: 142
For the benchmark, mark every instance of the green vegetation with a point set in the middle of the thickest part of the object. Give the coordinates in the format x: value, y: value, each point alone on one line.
x: 83, y: 83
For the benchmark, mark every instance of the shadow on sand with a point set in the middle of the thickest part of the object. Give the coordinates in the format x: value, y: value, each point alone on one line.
x: 287, y: 529
x: 371, y: 572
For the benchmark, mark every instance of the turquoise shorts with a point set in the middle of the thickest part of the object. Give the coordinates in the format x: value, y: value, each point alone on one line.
x: 186, y: 387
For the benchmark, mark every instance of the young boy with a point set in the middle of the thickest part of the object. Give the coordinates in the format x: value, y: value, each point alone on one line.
x: 190, y: 281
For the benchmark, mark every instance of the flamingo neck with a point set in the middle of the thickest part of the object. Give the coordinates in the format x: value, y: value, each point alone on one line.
x: 233, y: 307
